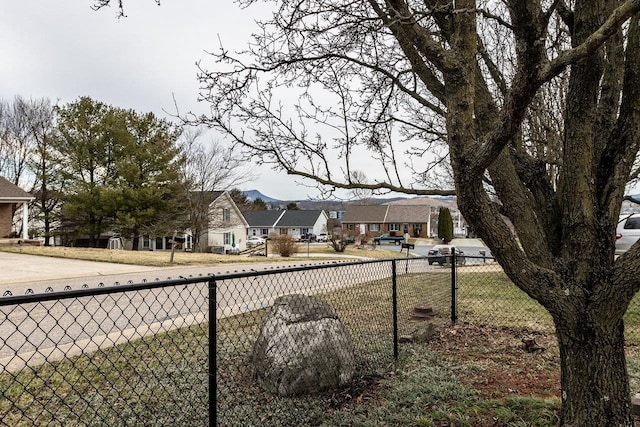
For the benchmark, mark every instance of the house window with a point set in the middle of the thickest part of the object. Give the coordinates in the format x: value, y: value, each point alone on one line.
x: 264, y: 231
x: 226, y: 215
x: 394, y: 227
x: 146, y: 242
x: 351, y: 227
x: 374, y: 227
x: 227, y: 238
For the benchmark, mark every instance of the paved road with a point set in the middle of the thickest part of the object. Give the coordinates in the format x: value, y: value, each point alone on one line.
x: 53, y: 330
x: 57, y: 329
x: 474, y: 249
x: 21, y: 272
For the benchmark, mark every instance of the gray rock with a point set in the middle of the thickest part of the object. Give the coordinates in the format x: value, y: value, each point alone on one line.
x: 303, y: 348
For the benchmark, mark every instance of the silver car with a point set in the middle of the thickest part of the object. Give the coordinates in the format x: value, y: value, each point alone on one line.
x: 627, y: 232
x: 255, y: 241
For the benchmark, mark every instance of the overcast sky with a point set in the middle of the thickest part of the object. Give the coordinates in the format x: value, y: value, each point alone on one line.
x: 66, y: 50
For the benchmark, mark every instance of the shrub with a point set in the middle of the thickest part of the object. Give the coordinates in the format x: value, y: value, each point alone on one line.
x: 283, y: 244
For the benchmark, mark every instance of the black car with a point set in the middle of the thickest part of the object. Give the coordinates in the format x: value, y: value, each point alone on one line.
x: 441, y: 254
x: 308, y: 237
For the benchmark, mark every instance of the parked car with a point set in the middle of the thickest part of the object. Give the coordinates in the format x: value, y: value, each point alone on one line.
x: 255, y: 241
x: 322, y: 237
x: 388, y: 238
x: 441, y: 254
x: 307, y: 237
x: 627, y: 232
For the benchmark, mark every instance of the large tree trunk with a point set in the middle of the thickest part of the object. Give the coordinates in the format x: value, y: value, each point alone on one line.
x: 595, y: 386
x: 47, y: 230
x: 136, y: 241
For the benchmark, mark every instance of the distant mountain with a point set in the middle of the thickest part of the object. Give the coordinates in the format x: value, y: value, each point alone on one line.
x: 327, y: 205
x: 255, y: 194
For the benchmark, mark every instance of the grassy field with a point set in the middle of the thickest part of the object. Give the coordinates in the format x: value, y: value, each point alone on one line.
x: 473, y: 373
x: 162, y: 258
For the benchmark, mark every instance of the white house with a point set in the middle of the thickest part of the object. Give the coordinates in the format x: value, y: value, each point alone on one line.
x: 227, y: 227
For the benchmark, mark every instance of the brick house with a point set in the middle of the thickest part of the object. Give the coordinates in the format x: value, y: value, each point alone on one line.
x: 10, y: 197
x: 416, y: 217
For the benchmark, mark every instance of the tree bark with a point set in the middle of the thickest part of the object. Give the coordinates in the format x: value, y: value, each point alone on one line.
x: 595, y: 385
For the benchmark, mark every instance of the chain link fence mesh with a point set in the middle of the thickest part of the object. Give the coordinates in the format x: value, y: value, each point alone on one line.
x: 105, y: 356
x: 139, y: 354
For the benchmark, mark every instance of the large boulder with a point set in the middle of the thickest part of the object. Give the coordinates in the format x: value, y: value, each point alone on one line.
x: 303, y: 348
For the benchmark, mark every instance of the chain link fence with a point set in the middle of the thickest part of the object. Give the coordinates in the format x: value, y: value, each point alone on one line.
x: 141, y: 354
x: 127, y: 355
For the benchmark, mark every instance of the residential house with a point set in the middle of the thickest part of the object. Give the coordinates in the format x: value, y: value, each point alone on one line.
x: 262, y: 223
x: 299, y: 222
x: 10, y: 196
x: 364, y: 219
x: 416, y: 217
x: 227, y: 227
x: 292, y: 222
x: 224, y: 228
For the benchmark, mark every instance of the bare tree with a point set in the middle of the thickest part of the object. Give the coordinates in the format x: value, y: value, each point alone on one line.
x: 209, y: 167
x: 45, y: 163
x: 16, y: 141
x: 403, y: 85
x: 26, y: 129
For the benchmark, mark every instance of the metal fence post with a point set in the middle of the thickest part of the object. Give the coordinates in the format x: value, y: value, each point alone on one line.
x: 394, y: 299
x: 212, y: 351
x: 454, y: 287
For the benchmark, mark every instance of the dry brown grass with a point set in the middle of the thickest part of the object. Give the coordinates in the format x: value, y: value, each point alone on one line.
x: 162, y: 258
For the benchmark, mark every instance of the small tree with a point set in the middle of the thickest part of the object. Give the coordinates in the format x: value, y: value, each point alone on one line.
x: 338, y: 242
x: 445, y: 225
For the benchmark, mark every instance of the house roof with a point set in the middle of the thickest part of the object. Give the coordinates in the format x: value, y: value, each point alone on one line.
x: 263, y: 218
x: 206, y: 196
x: 449, y: 202
x: 300, y: 218
x: 10, y: 192
x: 365, y: 213
x: 408, y: 213
x: 389, y: 213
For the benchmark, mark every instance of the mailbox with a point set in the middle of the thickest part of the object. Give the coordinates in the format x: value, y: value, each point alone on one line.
x: 408, y: 246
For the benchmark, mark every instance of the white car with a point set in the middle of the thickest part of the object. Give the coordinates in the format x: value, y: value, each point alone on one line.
x: 627, y: 232
x: 255, y: 241
x: 322, y: 237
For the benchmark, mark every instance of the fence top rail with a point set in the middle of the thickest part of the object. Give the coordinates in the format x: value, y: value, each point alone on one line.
x: 100, y: 290
x: 51, y: 295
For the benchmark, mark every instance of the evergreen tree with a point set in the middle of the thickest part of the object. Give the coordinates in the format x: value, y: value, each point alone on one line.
x: 148, y: 169
x: 240, y: 199
x: 259, y: 205
x: 123, y: 170
x: 87, y: 147
x: 445, y: 225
